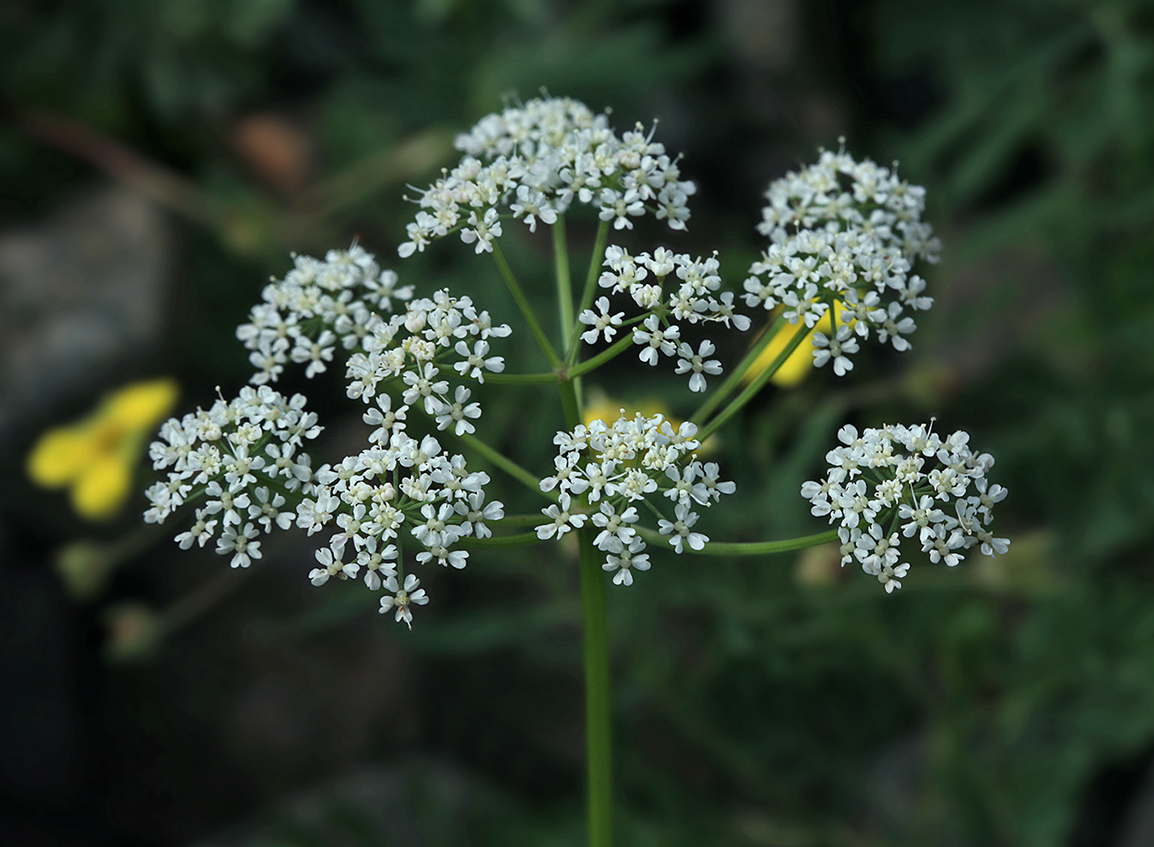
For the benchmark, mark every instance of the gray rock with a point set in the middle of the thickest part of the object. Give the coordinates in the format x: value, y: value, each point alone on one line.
x: 81, y: 293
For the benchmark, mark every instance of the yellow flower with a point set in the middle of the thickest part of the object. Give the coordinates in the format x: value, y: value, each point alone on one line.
x: 799, y: 363
x: 95, y: 457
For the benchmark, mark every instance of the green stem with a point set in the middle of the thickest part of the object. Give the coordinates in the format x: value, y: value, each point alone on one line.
x: 571, y: 400
x: 738, y: 373
x: 750, y: 548
x: 595, y: 634
x: 598, y: 705
x: 522, y: 539
x: 595, y: 261
x: 521, y: 379
x: 582, y: 368
x: 754, y: 387
x: 506, y: 464
x: 522, y: 520
x: 564, y: 285
x: 526, y: 309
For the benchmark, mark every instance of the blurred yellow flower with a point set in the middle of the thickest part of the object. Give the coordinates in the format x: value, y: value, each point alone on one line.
x: 96, y: 456
x: 800, y: 362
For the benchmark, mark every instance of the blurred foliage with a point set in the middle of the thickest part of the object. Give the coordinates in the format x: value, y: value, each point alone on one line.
x: 781, y: 702
x: 1047, y: 142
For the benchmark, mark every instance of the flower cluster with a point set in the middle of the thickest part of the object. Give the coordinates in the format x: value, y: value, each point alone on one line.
x: 244, y: 457
x: 902, y: 487
x: 396, y: 484
x: 532, y: 161
x: 400, y: 481
x: 694, y: 300
x: 316, y: 307
x: 320, y: 306
x: 613, y: 470
x: 844, y: 236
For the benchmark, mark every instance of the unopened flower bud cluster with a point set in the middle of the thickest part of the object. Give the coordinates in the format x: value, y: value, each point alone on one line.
x: 616, y: 470
x: 531, y: 162
x: 243, y: 456
x: 695, y: 300
x: 902, y: 489
x: 844, y: 236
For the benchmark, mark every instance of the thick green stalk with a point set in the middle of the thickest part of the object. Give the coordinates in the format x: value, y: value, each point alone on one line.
x: 595, y: 647
x: 598, y: 702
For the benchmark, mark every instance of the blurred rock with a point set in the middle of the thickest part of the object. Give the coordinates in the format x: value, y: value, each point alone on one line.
x: 80, y: 294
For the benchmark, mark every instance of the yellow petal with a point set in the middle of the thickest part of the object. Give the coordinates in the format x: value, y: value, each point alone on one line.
x: 60, y: 456
x: 102, y: 489
x: 800, y: 362
x: 142, y: 405
x: 794, y: 369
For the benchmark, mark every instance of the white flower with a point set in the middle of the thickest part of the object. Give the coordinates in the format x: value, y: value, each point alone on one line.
x: 615, y: 530
x: 402, y: 598
x: 386, y: 419
x: 476, y: 511
x: 653, y: 339
x: 627, y: 560
x: 560, y: 519
x: 377, y: 562
x: 681, y: 530
x: 200, y: 532
x: 458, y: 413
x: 331, y: 565
x: 475, y: 363
x: 695, y: 363
x: 836, y: 349
x: 604, y: 323
x: 240, y: 544
x: 482, y: 230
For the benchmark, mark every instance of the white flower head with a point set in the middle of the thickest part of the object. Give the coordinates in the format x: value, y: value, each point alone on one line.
x: 923, y: 496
